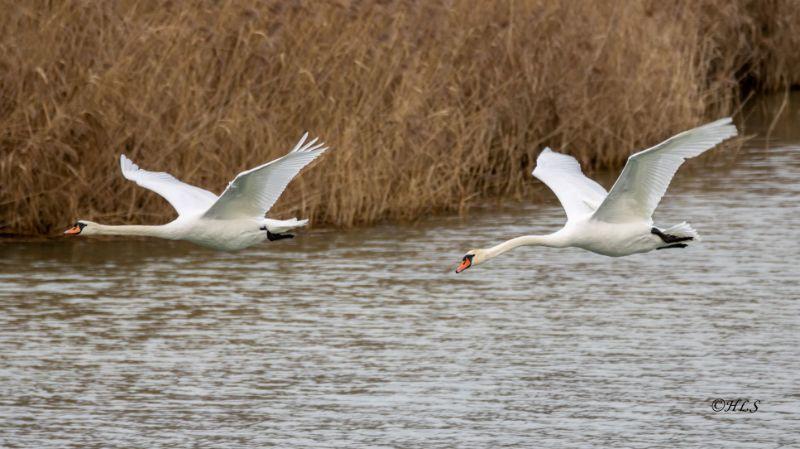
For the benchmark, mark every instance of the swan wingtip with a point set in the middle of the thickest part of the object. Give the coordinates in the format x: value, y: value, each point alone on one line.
x: 724, y: 121
x: 127, y: 165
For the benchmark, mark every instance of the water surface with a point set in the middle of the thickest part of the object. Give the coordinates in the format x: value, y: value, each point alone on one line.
x: 366, y: 338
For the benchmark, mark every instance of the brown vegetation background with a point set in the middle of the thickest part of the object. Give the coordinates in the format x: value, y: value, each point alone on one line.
x: 427, y: 105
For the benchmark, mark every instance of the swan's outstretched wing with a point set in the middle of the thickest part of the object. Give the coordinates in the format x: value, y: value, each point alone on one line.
x: 185, y: 198
x: 255, y: 191
x: 578, y: 194
x: 647, y: 174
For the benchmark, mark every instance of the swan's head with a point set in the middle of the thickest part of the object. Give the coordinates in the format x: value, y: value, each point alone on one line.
x: 80, y: 227
x: 473, y: 257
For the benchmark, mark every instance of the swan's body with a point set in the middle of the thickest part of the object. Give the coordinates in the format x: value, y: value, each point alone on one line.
x: 223, y: 235
x: 619, y: 222
x: 232, y: 221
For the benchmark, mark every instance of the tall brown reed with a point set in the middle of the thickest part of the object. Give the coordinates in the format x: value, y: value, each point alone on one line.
x: 427, y: 105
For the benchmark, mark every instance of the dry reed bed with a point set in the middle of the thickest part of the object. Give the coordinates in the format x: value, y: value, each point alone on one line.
x: 427, y: 104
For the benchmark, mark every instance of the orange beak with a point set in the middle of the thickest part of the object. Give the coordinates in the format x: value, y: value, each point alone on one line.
x: 73, y: 230
x: 466, y: 263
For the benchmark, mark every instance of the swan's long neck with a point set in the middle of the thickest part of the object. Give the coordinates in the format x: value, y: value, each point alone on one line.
x: 160, y: 231
x: 551, y: 240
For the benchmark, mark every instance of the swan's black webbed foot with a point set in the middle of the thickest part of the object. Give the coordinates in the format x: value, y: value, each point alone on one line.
x: 667, y: 238
x: 272, y: 237
x: 674, y: 245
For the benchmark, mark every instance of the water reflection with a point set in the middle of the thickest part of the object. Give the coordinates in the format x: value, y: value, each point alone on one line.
x: 366, y: 338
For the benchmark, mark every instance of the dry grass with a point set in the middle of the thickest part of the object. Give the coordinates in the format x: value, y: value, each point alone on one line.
x: 427, y: 104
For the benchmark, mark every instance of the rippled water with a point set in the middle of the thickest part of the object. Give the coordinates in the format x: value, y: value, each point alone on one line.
x: 366, y: 338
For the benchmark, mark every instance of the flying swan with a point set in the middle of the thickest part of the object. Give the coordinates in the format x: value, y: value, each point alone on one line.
x: 619, y: 222
x: 232, y: 221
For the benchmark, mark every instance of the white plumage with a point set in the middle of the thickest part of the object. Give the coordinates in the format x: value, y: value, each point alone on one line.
x: 617, y: 223
x: 578, y: 194
x: 232, y: 221
x: 255, y: 191
x: 646, y: 176
x: 185, y: 198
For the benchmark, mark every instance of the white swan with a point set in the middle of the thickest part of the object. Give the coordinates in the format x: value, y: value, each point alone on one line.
x: 232, y: 221
x: 619, y: 222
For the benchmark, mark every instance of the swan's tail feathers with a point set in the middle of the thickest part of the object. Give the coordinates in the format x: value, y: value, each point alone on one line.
x: 280, y: 226
x: 682, y: 230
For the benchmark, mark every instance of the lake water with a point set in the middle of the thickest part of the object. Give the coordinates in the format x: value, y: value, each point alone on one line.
x: 366, y: 338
